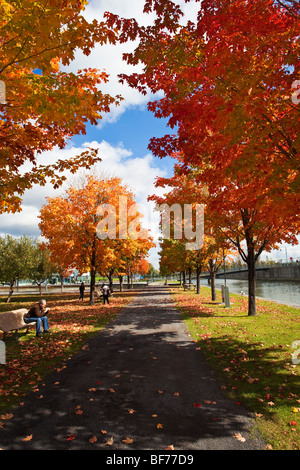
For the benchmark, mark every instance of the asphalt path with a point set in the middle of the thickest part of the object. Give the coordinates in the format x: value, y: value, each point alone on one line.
x: 142, y: 380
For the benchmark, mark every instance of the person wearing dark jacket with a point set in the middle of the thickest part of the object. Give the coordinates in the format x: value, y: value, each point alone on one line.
x: 38, y: 314
x: 106, y: 293
x: 81, y: 290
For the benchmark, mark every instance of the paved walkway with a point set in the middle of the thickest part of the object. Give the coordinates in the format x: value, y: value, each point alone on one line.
x: 142, y: 378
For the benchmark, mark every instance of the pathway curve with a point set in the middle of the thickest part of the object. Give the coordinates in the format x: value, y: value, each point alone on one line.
x: 142, y: 378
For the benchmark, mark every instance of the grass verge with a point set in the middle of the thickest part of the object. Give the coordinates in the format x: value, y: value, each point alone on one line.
x: 252, y: 357
x: 31, y: 359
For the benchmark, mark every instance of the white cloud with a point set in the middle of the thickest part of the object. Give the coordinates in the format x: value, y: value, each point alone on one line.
x: 138, y: 173
x: 109, y: 57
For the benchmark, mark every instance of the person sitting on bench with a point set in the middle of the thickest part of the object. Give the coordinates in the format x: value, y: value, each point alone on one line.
x: 38, y: 314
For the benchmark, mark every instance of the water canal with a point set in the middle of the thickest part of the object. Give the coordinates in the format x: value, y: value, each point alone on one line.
x: 287, y: 292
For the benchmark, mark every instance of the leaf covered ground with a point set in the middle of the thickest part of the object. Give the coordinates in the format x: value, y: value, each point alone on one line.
x: 252, y: 356
x: 29, y: 360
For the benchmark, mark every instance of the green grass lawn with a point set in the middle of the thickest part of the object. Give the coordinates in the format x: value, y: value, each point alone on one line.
x: 252, y: 357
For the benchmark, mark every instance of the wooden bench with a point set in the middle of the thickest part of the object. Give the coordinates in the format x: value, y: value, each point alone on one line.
x: 13, y: 321
x: 189, y: 286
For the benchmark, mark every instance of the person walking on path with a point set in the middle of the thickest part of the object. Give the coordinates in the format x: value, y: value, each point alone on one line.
x: 106, y: 293
x: 81, y: 290
x: 38, y: 314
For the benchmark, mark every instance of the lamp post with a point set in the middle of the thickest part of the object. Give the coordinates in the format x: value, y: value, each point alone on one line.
x: 226, y: 290
x: 224, y: 267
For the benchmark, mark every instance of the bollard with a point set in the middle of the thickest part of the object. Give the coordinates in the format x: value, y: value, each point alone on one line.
x: 227, y: 300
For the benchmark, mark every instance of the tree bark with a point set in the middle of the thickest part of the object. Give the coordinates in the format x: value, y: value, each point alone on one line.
x: 92, y: 285
x: 11, y: 290
x: 251, y: 281
x: 93, y: 276
x: 111, y: 280
x: 131, y: 280
x: 121, y: 283
x: 198, y: 272
x: 61, y: 283
x: 212, y: 281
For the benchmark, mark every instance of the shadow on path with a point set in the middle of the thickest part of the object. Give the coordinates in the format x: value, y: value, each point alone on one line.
x: 144, y: 378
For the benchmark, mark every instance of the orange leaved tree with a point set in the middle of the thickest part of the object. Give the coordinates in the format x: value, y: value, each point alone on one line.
x: 227, y: 80
x: 90, y: 229
x: 41, y: 104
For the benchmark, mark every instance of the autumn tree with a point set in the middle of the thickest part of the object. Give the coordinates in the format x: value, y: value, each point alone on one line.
x: 89, y: 233
x: 23, y: 258
x: 44, y: 105
x: 42, y: 266
x: 226, y: 80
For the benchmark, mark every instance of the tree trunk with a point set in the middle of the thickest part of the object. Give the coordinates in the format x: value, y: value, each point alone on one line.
x: 183, y: 277
x: 121, y: 283
x: 213, y: 285
x: 198, y: 272
x: 11, y: 290
x: 61, y: 283
x: 111, y: 280
x: 92, y: 286
x: 180, y: 278
x: 131, y: 280
x: 190, y: 275
x: 251, y: 281
x: 212, y: 271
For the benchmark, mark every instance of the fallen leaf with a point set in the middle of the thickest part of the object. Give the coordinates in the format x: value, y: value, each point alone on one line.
x: 239, y: 437
x: 6, y: 416
x: 127, y: 440
x: 92, y: 389
x: 154, y: 416
x: 160, y: 391
x: 159, y: 426
x: 295, y: 410
x: 169, y: 448
x: 71, y: 437
x: 93, y: 439
x: 175, y: 394
x: 112, y: 390
x: 27, y: 438
x: 103, y: 432
x: 130, y: 411
x: 109, y: 442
